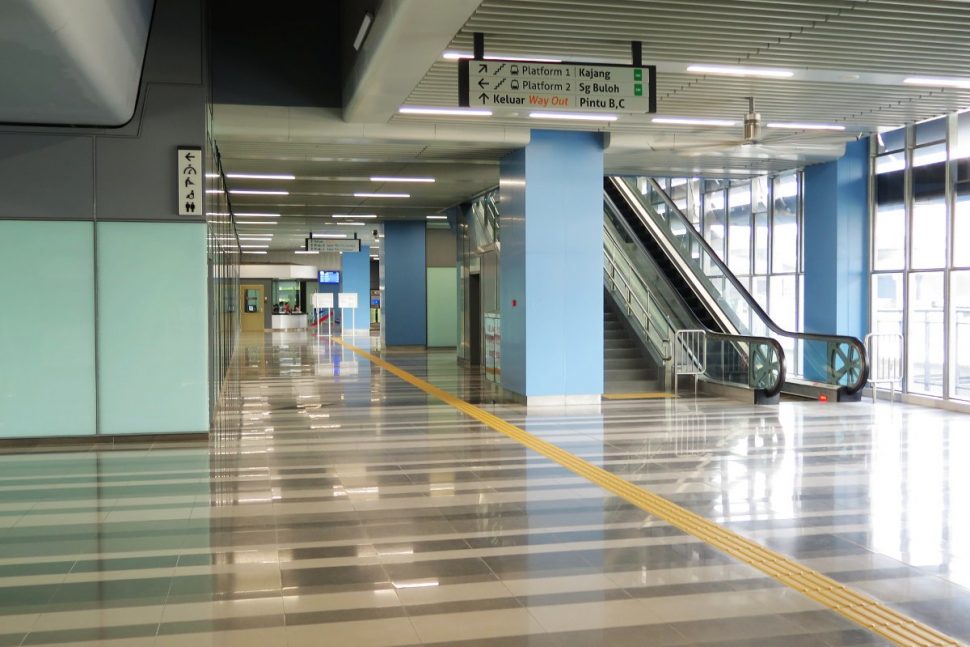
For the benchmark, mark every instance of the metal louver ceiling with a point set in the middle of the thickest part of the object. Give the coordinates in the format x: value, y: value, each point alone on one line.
x: 851, y: 56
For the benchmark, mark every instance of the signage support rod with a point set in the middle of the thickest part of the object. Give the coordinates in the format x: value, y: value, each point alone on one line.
x: 479, y: 46
x: 636, y: 51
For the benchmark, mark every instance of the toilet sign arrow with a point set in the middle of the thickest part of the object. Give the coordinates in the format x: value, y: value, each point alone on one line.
x: 188, y: 163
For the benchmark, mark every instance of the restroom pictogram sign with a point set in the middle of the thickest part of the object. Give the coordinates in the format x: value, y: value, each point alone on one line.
x: 190, y: 188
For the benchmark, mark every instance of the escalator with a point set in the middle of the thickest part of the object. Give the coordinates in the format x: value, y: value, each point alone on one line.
x: 733, y: 330
x: 669, y: 322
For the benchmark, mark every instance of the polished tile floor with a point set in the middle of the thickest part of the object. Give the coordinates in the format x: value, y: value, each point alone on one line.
x: 338, y: 505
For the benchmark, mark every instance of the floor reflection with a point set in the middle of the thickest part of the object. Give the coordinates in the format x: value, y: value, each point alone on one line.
x: 333, y: 499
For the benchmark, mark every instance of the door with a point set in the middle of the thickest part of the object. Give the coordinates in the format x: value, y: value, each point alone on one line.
x: 475, y: 320
x: 251, y: 298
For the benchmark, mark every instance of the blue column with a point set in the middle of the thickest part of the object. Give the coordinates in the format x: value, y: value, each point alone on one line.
x: 355, y: 277
x: 405, y: 298
x: 552, y: 268
x: 836, y: 230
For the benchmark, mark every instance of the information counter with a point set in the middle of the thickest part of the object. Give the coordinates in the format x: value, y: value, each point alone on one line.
x: 283, y: 322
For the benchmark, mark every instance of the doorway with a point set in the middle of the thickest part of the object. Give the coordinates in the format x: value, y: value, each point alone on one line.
x: 251, y: 317
x: 475, y: 319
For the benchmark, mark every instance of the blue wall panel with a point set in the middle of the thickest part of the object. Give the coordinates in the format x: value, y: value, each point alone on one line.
x: 152, y: 327
x: 356, y: 278
x: 47, y: 369
x: 552, y: 264
x: 404, y: 307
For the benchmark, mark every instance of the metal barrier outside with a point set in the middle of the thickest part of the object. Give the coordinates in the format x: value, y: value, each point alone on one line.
x: 690, y: 355
x: 885, y: 352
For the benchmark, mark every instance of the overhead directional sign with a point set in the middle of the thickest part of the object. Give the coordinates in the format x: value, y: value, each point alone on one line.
x: 333, y: 244
x: 190, y: 189
x: 557, y: 87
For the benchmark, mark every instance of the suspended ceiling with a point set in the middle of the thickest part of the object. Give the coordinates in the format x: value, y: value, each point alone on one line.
x: 848, y: 59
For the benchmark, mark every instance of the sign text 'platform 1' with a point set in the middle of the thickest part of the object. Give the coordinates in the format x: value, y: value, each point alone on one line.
x: 557, y: 87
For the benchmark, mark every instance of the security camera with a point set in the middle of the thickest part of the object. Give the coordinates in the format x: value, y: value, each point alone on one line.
x: 374, y: 233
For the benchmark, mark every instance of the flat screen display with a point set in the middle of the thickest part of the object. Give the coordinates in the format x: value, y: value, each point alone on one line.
x: 329, y: 276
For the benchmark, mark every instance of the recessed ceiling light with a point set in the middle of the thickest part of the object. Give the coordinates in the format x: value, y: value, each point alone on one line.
x: 328, y: 235
x: 261, y: 176
x: 305, y: 251
x: 737, y: 70
x: 437, y: 217
x: 382, y: 195
x: 365, y: 24
x: 257, y: 192
x: 938, y: 81
x: 805, y: 126
x: 264, y: 223
x: 691, y: 121
x: 453, y: 55
x: 453, y: 112
x: 248, y: 214
x: 401, y: 179
x: 347, y: 215
x: 573, y: 116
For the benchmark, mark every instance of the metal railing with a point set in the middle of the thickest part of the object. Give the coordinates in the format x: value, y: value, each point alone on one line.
x: 690, y: 355
x: 885, y: 361
x: 625, y: 283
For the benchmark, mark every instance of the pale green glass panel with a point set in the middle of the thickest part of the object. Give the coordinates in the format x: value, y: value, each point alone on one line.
x: 152, y: 327
x: 442, y: 307
x: 47, y: 383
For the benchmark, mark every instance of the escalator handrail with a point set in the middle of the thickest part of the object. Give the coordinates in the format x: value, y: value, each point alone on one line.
x: 643, y: 285
x: 751, y: 301
x: 771, y: 391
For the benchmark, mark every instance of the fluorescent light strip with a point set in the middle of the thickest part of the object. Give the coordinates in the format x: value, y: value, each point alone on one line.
x: 265, y: 239
x: 346, y: 215
x: 257, y: 222
x: 437, y: 217
x: 453, y: 112
x: 212, y: 175
x: 257, y: 192
x: 453, y: 55
x: 801, y: 126
x: 251, y: 252
x: 938, y: 81
x: 578, y: 116
x: 382, y: 195
x: 328, y: 235
x: 691, y: 121
x: 401, y: 179
x: 261, y: 176
x: 248, y: 214
x: 736, y: 70
x: 254, y: 246
x: 352, y: 224
x: 304, y: 251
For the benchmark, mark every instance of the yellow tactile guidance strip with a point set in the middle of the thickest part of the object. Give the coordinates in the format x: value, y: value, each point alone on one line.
x: 857, y: 607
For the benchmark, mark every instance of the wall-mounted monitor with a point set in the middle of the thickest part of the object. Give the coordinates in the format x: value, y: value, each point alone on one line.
x: 331, y: 277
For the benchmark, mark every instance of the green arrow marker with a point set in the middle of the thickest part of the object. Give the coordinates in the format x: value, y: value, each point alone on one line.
x: 637, y: 74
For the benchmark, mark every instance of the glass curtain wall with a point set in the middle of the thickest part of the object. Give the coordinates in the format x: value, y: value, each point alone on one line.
x: 754, y: 225
x: 920, y: 272
x: 223, y: 280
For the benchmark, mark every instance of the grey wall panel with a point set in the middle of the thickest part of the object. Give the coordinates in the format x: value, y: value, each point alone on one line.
x: 441, y: 250
x: 136, y: 177
x: 46, y: 176
x: 175, y: 43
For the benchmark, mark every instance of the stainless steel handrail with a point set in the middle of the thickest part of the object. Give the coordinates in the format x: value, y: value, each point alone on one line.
x: 886, y: 361
x: 613, y: 273
x: 853, y: 342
